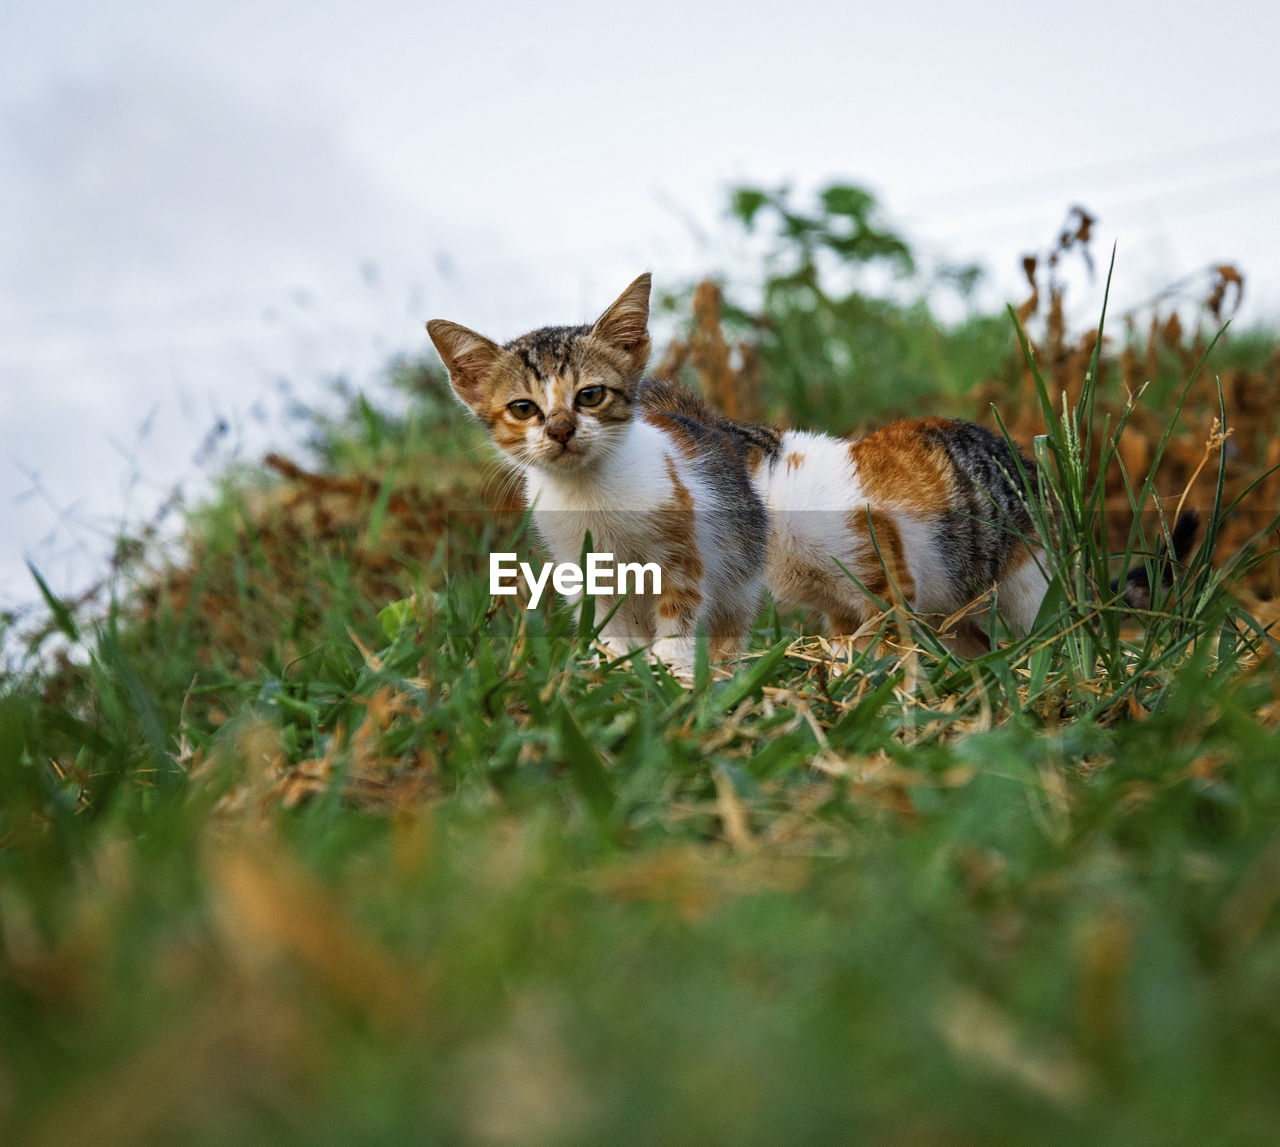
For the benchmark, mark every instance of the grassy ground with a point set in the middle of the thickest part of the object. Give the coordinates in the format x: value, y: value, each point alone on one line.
x: 281, y: 864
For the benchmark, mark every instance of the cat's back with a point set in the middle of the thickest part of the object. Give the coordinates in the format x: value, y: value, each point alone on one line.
x: 905, y: 467
x: 921, y: 467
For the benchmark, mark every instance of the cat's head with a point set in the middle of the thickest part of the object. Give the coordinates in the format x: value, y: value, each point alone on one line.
x: 559, y: 398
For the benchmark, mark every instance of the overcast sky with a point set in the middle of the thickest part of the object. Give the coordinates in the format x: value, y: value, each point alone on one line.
x: 199, y: 202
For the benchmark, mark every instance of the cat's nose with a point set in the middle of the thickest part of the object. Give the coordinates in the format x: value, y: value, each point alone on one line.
x: 560, y: 431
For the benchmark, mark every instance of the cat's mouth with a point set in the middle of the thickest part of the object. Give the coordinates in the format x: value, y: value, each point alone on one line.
x: 568, y: 456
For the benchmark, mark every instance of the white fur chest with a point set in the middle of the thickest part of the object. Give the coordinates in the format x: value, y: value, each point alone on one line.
x: 614, y: 499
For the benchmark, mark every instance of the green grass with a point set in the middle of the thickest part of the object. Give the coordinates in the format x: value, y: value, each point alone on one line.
x: 630, y: 911
x: 439, y: 876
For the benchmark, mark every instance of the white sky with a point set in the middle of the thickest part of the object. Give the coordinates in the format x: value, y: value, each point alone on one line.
x: 198, y: 200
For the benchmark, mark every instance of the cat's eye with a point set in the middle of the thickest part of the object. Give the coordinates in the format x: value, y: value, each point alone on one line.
x: 590, y: 396
x: 522, y: 408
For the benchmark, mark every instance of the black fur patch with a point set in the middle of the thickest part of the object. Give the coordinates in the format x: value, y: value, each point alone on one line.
x: 989, y: 519
x: 547, y: 351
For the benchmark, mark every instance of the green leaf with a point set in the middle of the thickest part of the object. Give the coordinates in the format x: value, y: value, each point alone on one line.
x: 843, y: 199
x: 847, y: 732
x: 61, y: 613
x: 394, y: 616
x: 701, y: 662
x: 586, y: 769
x: 1053, y: 603
x: 746, y: 204
x: 378, y: 512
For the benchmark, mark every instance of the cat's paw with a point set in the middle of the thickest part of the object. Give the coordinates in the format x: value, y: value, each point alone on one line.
x: 613, y: 648
x: 845, y: 650
x: 676, y: 653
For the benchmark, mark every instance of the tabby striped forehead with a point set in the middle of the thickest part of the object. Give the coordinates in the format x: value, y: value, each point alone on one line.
x: 551, y: 351
x: 572, y: 351
x: 549, y: 365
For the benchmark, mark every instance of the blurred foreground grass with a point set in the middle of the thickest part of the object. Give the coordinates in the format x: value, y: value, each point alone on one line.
x: 471, y: 888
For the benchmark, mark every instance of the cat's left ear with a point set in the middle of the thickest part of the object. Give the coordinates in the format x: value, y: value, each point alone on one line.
x: 625, y: 325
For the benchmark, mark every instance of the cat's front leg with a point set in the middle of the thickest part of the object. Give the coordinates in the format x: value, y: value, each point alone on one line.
x: 676, y: 653
x: 676, y: 623
x: 625, y: 627
x: 616, y: 645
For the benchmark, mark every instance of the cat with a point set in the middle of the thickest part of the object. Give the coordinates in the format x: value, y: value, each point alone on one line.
x: 931, y: 513
x: 642, y: 465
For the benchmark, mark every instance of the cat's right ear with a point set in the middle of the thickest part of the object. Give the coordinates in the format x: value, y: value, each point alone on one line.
x: 468, y: 357
x: 625, y: 325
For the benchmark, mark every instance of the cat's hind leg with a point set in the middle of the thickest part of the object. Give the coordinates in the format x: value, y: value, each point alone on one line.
x: 1021, y: 590
x: 878, y: 577
x: 1017, y: 599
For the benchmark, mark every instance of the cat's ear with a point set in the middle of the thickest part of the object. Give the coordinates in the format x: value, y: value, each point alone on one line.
x: 625, y: 325
x: 468, y: 357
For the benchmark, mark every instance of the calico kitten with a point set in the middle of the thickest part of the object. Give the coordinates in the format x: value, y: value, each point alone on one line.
x: 930, y: 512
x: 642, y: 465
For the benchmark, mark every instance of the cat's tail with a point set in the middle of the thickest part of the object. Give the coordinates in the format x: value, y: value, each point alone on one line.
x: 750, y: 438
x: 1136, y: 591
x: 670, y: 396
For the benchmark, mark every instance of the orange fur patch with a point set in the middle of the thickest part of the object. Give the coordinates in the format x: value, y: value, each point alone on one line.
x: 678, y: 556
x: 1019, y: 556
x: 508, y: 431
x: 900, y: 469
x: 794, y: 461
x: 884, y: 573
x: 561, y: 394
